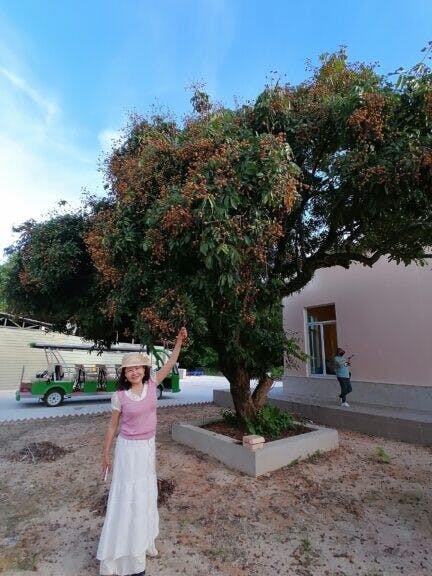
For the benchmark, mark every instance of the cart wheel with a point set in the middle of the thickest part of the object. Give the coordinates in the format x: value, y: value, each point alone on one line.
x: 159, y: 391
x: 53, y: 397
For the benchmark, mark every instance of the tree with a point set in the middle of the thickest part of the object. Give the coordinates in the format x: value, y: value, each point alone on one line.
x: 50, y: 276
x: 212, y: 223
x: 4, y: 275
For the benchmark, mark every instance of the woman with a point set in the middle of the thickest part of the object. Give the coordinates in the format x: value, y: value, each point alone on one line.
x: 132, y: 522
x: 343, y: 374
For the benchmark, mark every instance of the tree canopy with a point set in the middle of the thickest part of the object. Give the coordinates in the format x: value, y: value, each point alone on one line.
x: 212, y: 222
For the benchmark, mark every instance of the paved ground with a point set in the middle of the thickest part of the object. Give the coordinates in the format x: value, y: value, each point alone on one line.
x: 194, y: 390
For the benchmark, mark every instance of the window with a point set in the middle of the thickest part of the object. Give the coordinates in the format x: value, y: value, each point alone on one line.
x: 322, y: 339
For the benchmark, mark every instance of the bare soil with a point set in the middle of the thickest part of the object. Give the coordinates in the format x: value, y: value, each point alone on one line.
x: 237, y: 431
x: 344, y: 513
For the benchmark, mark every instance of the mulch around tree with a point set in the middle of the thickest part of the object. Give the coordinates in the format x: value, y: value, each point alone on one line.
x: 238, y: 431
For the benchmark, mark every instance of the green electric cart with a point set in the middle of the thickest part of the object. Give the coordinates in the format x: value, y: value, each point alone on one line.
x: 58, y: 380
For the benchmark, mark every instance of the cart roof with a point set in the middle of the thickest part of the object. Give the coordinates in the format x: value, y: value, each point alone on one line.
x: 89, y: 347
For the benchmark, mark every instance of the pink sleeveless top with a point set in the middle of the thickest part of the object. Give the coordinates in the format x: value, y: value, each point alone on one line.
x: 138, y: 417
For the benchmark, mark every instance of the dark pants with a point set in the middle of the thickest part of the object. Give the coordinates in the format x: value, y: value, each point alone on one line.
x: 346, y: 388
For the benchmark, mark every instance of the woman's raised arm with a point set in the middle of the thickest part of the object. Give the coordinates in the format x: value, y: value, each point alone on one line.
x: 164, y: 371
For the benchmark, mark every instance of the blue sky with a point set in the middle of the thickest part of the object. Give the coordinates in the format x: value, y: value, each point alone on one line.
x: 72, y: 70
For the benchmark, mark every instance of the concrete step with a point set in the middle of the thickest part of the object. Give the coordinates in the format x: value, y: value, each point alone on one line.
x: 413, y: 426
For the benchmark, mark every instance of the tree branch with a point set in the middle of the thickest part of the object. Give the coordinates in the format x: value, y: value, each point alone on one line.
x: 320, y: 260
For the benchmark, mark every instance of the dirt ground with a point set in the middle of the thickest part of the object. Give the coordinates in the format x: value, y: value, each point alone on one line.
x: 340, y: 514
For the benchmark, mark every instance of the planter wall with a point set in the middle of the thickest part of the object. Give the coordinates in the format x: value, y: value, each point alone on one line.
x: 272, y: 456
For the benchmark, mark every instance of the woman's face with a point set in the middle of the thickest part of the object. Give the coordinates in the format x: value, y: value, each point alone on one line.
x: 134, y: 374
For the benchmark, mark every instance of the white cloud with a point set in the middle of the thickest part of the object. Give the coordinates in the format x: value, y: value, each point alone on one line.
x: 40, y: 163
x: 49, y: 107
x: 31, y: 185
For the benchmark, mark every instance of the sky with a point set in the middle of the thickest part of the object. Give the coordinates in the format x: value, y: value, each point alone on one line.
x: 71, y: 72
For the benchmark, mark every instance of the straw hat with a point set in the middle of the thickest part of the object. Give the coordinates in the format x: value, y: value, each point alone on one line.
x: 135, y: 359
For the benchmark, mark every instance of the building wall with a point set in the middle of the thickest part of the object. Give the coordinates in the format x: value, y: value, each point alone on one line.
x: 383, y: 316
x: 15, y: 354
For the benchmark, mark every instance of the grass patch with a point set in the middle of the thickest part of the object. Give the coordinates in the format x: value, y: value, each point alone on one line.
x: 314, y: 458
x: 382, y: 456
x: 270, y: 422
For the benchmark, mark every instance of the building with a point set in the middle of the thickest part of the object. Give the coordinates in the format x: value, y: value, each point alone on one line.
x: 382, y: 315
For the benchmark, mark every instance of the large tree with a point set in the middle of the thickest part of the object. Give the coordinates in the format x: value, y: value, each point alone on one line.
x: 213, y: 222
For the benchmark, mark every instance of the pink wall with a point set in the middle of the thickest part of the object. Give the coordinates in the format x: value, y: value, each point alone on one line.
x: 383, y: 315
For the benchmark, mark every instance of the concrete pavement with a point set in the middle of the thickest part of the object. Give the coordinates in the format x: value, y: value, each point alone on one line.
x: 193, y: 390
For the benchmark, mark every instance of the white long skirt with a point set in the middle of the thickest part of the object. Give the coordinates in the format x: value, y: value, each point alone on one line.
x: 132, y: 521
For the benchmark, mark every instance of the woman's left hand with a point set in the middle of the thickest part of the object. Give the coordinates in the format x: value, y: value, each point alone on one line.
x: 182, y: 335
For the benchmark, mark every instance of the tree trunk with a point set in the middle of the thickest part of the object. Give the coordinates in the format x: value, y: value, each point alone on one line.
x: 239, y: 379
x: 260, y: 393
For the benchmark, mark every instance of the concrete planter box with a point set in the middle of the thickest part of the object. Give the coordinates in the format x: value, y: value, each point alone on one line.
x: 272, y: 456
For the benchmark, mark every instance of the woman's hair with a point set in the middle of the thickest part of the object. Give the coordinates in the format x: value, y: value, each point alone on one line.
x: 124, y: 384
